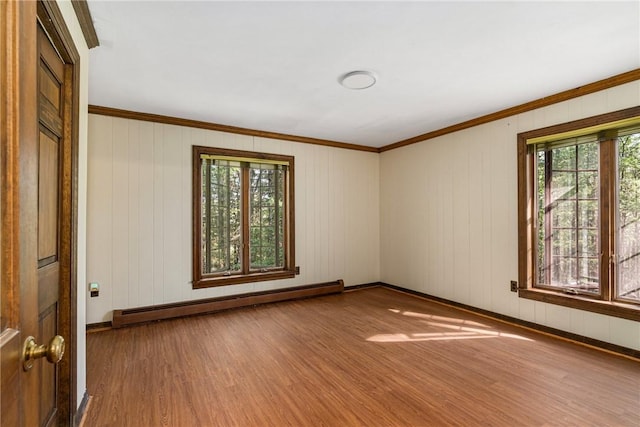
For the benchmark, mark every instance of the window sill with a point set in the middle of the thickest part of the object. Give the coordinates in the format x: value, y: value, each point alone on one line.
x: 615, y: 309
x: 210, y: 282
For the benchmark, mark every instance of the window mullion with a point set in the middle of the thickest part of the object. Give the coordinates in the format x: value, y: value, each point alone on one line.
x: 207, y: 222
x: 245, y: 219
x: 548, y: 230
x: 276, y: 176
x: 607, y: 214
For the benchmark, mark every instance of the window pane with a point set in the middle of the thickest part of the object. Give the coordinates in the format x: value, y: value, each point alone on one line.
x: 563, y: 186
x: 267, y: 216
x: 221, y: 218
x: 563, y: 271
x: 564, y: 158
x: 568, y: 209
x: 564, y: 243
x: 588, y: 214
x: 587, y: 185
x: 628, y: 221
x: 564, y: 214
x: 588, y: 156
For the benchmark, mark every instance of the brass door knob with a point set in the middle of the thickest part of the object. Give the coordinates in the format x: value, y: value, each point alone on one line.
x: 32, y: 351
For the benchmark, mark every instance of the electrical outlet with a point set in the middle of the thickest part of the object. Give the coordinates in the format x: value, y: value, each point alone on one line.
x: 297, y: 269
x: 94, y: 289
x: 514, y: 286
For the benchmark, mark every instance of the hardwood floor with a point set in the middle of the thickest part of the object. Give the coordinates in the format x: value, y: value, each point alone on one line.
x: 373, y: 357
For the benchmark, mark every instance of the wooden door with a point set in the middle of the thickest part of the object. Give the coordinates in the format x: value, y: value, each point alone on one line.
x: 35, y: 218
x: 50, y: 136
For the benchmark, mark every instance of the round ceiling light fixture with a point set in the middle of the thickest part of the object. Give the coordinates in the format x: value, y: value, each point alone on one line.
x: 357, y: 80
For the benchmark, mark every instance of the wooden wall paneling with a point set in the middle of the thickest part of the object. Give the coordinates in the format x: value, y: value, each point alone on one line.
x: 540, y: 313
x: 420, y: 203
x: 504, y: 215
x: 558, y: 316
x: 305, y: 213
x: 331, y: 210
x: 577, y: 320
x: 133, y: 216
x: 574, y: 108
x: 487, y: 225
x: 99, y: 214
x: 424, y: 232
x: 598, y: 325
x: 315, y: 219
x: 172, y: 209
x: 300, y: 196
x: 185, y: 207
x: 496, y: 215
x: 428, y: 233
x: 507, y: 130
x: 322, y: 171
x: 353, y: 221
x: 362, y: 211
x: 411, y: 203
x: 526, y: 310
x: 312, y: 215
x: 385, y: 213
x: 120, y: 218
x: 190, y: 136
x: 623, y: 332
x: 338, y: 183
x: 597, y: 104
x: 475, y: 182
x: 237, y: 141
x: 447, y: 192
x: 356, y: 220
x: 145, y: 219
x: 416, y: 204
x: 557, y: 113
x: 620, y: 97
x: 157, y: 244
x: 373, y: 202
x: 444, y: 222
x: 308, y: 210
x: 461, y: 218
x: 371, y: 207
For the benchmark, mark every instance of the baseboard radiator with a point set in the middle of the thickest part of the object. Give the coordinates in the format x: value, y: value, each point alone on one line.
x: 152, y: 313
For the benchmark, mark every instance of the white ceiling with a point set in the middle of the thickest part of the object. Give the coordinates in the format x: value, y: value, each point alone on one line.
x: 274, y: 66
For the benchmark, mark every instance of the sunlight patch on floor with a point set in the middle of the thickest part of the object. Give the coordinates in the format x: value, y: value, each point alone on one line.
x: 464, y: 329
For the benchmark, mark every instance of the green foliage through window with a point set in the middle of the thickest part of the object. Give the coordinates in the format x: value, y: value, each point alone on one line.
x: 628, y: 227
x: 244, y: 216
x: 569, y: 196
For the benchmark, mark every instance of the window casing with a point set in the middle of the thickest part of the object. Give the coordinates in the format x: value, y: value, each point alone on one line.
x: 579, y: 214
x: 243, y: 217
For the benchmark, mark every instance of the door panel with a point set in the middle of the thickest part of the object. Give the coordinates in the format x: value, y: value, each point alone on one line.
x: 48, y: 200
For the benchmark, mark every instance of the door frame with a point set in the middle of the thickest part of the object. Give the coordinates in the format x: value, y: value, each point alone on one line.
x: 19, y: 114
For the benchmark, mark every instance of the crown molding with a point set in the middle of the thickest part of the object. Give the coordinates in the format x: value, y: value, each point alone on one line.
x: 86, y: 22
x: 566, y: 95
x: 156, y: 118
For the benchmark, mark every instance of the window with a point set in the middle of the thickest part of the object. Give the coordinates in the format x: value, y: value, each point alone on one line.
x: 243, y: 217
x: 579, y: 214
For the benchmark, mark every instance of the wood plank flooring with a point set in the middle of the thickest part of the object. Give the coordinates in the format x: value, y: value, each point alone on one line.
x: 373, y: 357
